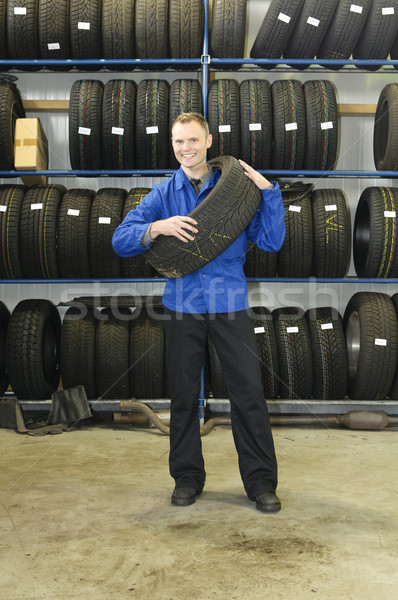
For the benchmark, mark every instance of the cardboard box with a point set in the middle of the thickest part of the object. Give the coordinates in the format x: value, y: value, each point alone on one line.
x: 30, y: 150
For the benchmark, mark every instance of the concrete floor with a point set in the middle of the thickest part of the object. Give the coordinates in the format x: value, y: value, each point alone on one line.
x: 86, y: 515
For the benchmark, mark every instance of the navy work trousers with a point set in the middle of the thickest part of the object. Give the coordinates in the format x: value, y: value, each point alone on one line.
x: 234, y: 339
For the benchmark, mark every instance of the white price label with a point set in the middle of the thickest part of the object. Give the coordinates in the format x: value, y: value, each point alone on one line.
x: 326, y: 325
x: 54, y: 46
x: 3, y: 208
x: 259, y: 330
x: 327, y: 125
x: 224, y: 128
x: 312, y: 21
x: 292, y: 329
x: 104, y: 220
x: 36, y: 206
x: 390, y: 213
x: 118, y: 130
x: 294, y: 208
x: 255, y: 127
x: 152, y: 130
x: 356, y: 8
x: 330, y: 207
x: 83, y: 25
x: 19, y: 10
x: 73, y: 212
x: 380, y: 342
x: 387, y: 11
x: 84, y: 131
x: 284, y: 18
x: 290, y: 126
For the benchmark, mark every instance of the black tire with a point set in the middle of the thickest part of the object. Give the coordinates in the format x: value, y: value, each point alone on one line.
x: 294, y: 353
x: 185, y: 30
x: 3, y: 29
x: 227, y: 34
x: 54, y: 30
x: 33, y: 349
x: 385, y: 133
x: 112, y: 362
x: 185, y: 96
x: 147, y: 357
x: 322, y: 125
x: 118, y: 124
x: 393, y: 393
x: 264, y: 330
x: 38, y: 231
x: 221, y: 217
x: 371, y: 331
x: 152, y: 145
x: 332, y: 233
x: 224, y: 114
x: 218, y: 385
x: 289, y: 124
x: 23, y: 29
x: 378, y: 33
x: 151, y: 30
x: 4, y: 320
x: 276, y: 29
x: 260, y: 263
x: 117, y: 30
x: 135, y: 266
x: 344, y: 30
x: 256, y: 123
x: 72, y: 233
x: 85, y: 112
x: 11, y: 109
x: 85, y: 30
x: 78, y: 350
x: 329, y: 353
x: 105, y: 216
x: 375, y: 233
x: 310, y: 29
x: 11, y: 197
x: 295, y: 255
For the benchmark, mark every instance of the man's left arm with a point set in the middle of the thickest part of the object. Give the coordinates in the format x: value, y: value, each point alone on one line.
x: 267, y: 228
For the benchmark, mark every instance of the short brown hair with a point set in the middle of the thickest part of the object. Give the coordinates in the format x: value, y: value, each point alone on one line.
x: 187, y: 117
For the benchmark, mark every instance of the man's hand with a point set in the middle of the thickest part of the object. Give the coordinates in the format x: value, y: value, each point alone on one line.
x: 256, y: 177
x: 177, y: 226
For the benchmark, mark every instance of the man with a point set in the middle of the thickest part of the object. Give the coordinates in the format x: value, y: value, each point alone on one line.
x: 212, y: 300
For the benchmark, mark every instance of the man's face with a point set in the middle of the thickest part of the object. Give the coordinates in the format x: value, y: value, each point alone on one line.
x: 190, y: 144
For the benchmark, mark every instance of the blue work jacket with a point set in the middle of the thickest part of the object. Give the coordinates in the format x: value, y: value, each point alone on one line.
x: 220, y: 285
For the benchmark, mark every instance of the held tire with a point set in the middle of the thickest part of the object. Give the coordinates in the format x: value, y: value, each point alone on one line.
x: 33, y: 349
x: 289, y: 124
x: 85, y: 111
x: 378, y: 33
x: 118, y: 124
x: 264, y: 330
x: 105, y: 216
x: 4, y: 320
x: 11, y: 109
x: 135, y: 266
x: 152, y: 124
x: 38, y: 231
x: 11, y: 198
x: 322, y: 125
x: 224, y: 118
x: 256, y: 123
x: 329, y: 353
x: 276, y: 29
x: 371, y: 330
x: 147, y: 357
x: 332, y: 233
x: 385, y: 133
x: 72, y: 233
x: 294, y: 353
x: 185, y: 96
x: 112, y: 362
x: 375, y: 233
x: 222, y: 216
x: 78, y: 349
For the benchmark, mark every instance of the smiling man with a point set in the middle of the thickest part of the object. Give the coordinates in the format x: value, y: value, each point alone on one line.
x: 210, y: 301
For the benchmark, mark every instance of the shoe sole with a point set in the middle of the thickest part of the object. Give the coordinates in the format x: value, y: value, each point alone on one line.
x: 182, y: 502
x: 272, y: 509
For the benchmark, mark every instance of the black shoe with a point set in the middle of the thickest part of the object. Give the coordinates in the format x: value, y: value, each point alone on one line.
x: 268, y: 502
x: 184, y: 496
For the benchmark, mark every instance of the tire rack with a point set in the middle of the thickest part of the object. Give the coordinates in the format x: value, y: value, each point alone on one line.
x: 219, y: 405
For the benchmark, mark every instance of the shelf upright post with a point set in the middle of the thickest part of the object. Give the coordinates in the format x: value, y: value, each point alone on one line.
x: 205, y: 58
